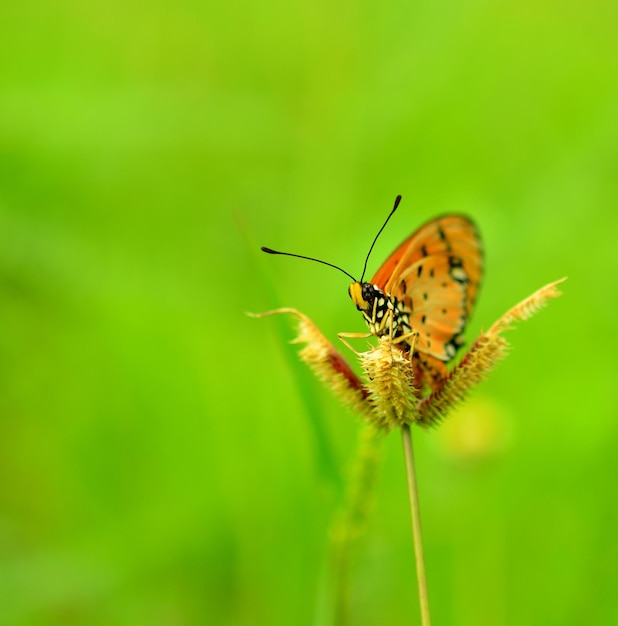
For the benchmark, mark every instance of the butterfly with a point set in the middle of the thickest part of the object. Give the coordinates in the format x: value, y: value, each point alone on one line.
x: 423, y: 294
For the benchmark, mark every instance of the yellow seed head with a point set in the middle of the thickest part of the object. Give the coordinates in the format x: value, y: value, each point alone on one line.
x: 392, y: 393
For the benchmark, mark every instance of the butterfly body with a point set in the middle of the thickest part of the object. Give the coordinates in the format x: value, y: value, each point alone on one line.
x: 383, y: 314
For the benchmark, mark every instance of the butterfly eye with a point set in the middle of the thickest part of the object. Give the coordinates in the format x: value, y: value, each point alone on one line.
x: 368, y: 292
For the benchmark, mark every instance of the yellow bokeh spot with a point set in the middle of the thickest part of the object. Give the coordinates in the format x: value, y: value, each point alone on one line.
x: 478, y: 430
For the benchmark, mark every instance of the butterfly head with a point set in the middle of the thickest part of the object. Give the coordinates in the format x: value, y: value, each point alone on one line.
x: 363, y: 295
x: 379, y: 311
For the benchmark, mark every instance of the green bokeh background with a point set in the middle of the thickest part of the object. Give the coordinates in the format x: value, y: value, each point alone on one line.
x: 158, y: 462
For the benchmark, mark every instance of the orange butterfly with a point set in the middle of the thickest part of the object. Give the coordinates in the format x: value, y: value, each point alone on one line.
x: 423, y: 294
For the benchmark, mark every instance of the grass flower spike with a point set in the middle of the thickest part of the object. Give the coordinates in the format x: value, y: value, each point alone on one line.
x: 388, y: 396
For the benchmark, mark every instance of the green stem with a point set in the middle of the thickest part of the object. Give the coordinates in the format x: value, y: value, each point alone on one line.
x: 352, y: 519
x: 416, y: 526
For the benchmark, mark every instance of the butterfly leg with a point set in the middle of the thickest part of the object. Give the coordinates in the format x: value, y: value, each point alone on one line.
x: 406, y: 337
x: 343, y: 336
x: 409, y: 338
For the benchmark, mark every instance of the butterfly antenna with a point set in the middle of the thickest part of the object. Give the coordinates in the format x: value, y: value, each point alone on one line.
x: 397, y: 201
x: 308, y: 258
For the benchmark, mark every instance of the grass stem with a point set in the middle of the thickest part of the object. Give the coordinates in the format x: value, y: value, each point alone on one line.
x: 416, y: 525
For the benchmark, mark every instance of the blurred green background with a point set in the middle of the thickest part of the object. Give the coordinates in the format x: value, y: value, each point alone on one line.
x: 158, y: 462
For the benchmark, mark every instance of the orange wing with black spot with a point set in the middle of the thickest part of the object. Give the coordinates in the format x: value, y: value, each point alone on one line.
x: 436, y: 274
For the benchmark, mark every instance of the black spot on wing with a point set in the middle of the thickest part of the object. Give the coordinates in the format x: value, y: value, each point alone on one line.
x: 444, y: 238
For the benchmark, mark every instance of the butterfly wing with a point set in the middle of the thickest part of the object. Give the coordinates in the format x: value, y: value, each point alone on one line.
x: 436, y: 274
